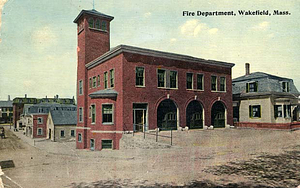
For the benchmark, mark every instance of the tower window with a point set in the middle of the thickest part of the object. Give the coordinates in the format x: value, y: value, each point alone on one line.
x: 80, y: 87
x: 97, y: 25
x: 104, y: 25
x: 98, y: 80
x: 107, y: 113
x: 91, y: 22
x: 94, y: 81
x: 112, y: 77
x: 105, y: 80
x: 90, y: 82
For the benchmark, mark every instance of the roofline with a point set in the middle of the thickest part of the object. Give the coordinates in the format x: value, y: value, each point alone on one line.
x: 265, y: 94
x: 263, y: 76
x: 148, y: 52
x: 92, y: 13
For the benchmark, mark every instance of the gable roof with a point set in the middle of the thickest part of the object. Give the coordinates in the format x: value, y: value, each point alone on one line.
x: 256, y: 75
x: 61, y: 117
x: 154, y: 53
x: 93, y: 12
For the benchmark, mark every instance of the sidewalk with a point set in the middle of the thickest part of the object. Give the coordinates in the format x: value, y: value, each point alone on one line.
x: 64, y: 148
x: 28, y: 140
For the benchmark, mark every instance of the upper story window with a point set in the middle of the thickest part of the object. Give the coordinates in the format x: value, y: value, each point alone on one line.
x: 189, y: 80
x: 90, y: 82
x: 40, y: 120
x: 173, y: 79
x: 255, y: 111
x: 94, y: 81
x: 285, y: 87
x: 80, y: 115
x: 161, y: 77
x: 80, y: 87
x: 139, y: 76
x: 98, y: 80
x: 97, y: 24
x: 200, y: 81
x: 105, y: 80
x: 107, y: 113
x: 213, y: 83
x: 91, y: 22
x: 222, y: 84
x: 93, y: 113
x: 112, y: 77
x: 104, y: 25
x: 251, y: 87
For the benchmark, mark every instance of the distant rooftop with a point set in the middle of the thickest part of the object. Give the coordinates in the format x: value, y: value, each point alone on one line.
x: 61, y: 117
x: 6, y: 104
x: 256, y: 75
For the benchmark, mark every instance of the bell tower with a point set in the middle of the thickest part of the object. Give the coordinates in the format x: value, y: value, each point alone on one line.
x: 93, y: 37
x: 93, y: 29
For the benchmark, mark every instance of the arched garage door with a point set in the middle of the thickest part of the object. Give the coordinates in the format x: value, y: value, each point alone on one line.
x: 218, y: 118
x: 167, y: 115
x: 194, y: 115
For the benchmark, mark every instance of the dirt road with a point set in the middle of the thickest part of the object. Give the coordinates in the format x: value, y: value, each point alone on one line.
x: 197, y: 158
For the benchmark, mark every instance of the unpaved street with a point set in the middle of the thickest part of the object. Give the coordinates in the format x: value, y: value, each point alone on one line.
x: 197, y: 157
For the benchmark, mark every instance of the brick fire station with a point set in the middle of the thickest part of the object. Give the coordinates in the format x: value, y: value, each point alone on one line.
x: 135, y: 89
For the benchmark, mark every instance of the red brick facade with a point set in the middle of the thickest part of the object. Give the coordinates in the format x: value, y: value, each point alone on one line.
x: 39, y: 125
x: 93, y: 43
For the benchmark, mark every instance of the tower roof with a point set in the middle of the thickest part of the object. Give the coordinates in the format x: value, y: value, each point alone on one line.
x: 93, y: 12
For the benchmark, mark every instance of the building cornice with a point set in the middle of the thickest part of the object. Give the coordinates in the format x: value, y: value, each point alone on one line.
x: 154, y: 53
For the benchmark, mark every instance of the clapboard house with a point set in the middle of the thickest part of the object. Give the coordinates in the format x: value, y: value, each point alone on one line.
x: 263, y: 100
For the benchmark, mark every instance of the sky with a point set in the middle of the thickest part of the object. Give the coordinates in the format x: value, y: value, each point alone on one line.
x: 38, y: 39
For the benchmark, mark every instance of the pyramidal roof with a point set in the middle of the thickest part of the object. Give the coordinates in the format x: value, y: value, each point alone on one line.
x: 93, y: 12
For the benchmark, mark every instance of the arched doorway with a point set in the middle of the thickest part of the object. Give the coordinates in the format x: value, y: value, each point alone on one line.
x: 167, y: 115
x: 218, y: 115
x: 194, y: 115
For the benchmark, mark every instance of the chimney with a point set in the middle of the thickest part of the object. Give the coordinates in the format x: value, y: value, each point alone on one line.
x: 8, y: 97
x: 57, y: 96
x: 247, y: 67
x: 25, y: 95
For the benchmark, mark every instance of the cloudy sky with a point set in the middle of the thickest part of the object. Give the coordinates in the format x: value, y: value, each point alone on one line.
x: 38, y: 38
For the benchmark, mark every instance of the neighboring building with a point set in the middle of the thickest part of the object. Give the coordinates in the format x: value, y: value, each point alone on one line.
x: 61, y: 125
x: 34, y: 118
x: 135, y: 89
x: 18, y: 105
x: 264, y: 101
x: 6, y: 111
